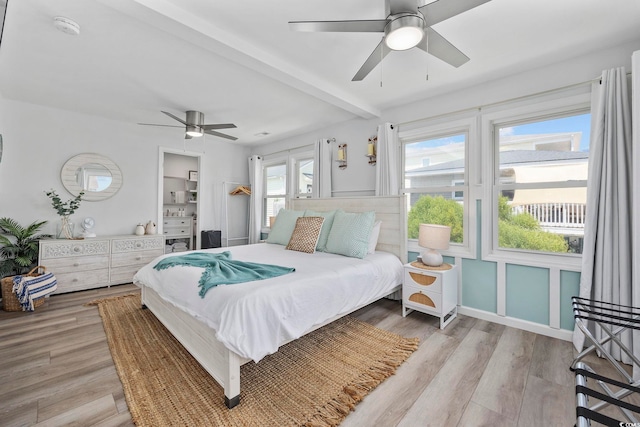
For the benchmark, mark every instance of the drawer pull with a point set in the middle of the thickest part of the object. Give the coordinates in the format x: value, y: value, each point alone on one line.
x: 423, y: 279
x: 138, y: 258
x: 75, y: 280
x: 421, y: 298
x: 76, y: 249
x: 75, y: 264
x: 138, y: 245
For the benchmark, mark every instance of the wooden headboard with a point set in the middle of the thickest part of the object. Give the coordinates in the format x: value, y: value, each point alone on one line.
x: 391, y: 210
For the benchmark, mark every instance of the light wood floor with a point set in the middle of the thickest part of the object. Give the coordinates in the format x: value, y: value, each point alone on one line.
x: 56, y: 369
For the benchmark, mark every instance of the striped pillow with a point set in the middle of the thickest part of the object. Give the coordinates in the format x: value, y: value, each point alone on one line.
x: 305, y: 234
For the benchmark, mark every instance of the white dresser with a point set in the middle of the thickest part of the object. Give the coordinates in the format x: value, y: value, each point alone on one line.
x: 178, y: 227
x: 99, y: 261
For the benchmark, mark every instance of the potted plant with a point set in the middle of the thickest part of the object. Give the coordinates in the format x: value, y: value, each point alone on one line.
x: 65, y: 210
x: 19, y: 246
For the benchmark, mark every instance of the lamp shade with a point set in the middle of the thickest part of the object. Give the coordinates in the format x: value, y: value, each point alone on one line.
x: 434, y: 236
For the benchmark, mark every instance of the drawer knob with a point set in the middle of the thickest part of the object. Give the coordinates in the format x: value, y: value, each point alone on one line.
x: 138, y: 258
x: 76, y: 249
x: 138, y: 245
x: 75, y: 264
x: 75, y: 280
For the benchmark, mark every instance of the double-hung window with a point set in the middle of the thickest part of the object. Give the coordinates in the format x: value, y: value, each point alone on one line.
x: 286, y: 176
x: 539, y: 193
x: 436, y: 180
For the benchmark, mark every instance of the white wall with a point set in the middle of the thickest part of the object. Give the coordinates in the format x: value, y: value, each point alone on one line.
x: 39, y: 140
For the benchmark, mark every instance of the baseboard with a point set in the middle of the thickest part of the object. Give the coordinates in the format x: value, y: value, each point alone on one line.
x: 537, y: 328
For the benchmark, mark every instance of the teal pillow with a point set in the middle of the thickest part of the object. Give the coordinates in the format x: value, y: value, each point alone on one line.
x: 282, y: 229
x: 349, y: 233
x: 326, y: 228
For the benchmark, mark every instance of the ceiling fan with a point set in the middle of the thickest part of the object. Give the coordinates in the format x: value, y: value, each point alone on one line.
x: 405, y: 26
x: 195, y: 127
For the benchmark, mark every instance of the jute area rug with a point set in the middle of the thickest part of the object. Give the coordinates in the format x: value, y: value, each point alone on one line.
x: 314, y: 381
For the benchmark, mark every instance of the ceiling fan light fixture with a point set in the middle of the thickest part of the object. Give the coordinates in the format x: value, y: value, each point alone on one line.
x: 194, y: 131
x: 404, y: 32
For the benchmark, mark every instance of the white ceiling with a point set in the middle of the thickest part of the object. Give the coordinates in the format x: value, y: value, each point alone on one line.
x: 237, y: 61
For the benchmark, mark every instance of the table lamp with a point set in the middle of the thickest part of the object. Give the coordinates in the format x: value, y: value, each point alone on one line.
x: 433, y: 237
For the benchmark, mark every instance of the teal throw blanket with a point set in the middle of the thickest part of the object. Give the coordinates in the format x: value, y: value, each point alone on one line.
x: 220, y: 269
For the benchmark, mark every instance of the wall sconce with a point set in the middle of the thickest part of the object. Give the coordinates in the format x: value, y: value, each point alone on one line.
x: 342, y: 156
x: 372, y: 149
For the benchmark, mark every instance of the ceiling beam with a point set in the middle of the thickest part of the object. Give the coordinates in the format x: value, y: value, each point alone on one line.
x: 170, y: 18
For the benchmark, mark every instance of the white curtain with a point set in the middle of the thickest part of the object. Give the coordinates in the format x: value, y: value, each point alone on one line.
x: 321, y: 169
x: 387, y: 161
x: 607, y: 250
x: 255, y: 202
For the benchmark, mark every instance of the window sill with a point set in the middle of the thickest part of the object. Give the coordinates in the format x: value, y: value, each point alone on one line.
x: 532, y: 259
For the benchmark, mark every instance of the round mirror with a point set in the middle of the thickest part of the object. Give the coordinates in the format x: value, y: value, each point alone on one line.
x: 94, y: 174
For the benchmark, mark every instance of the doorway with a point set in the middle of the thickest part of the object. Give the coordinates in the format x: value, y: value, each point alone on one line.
x: 178, y: 202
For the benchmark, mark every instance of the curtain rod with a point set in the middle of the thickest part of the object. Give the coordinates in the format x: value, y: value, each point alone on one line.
x: 518, y: 98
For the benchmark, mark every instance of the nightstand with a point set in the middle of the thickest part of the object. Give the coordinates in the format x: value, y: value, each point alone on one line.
x: 431, y: 290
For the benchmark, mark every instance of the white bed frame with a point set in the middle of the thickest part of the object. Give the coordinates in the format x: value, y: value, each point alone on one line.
x: 223, y: 364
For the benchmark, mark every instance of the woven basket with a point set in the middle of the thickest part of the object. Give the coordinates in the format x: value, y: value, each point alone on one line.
x: 9, y: 298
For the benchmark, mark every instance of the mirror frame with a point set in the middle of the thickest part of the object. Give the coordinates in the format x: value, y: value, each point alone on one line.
x: 70, y: 168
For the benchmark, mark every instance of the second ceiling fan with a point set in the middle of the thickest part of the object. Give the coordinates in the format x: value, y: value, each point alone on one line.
x: 195, y: 127
x: 405, y: 26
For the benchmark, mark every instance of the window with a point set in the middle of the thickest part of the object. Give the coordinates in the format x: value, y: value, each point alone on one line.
x: 275, y: 193
x: 435, y: 174
x: 304, y: 177
x: 540, y: 190
x: 286, y: 176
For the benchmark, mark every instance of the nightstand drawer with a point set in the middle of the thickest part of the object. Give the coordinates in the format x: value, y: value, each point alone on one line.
x: 431, y: 282
x: 423, y: 300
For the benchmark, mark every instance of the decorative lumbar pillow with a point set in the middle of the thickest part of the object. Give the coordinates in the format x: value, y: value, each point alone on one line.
x: 373, y: 239
x: 283, y: 227
x: 350, y: 233
x: 305, y: 234
x: 326, y: 228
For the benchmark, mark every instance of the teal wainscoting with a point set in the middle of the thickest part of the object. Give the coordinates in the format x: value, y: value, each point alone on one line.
x: 527, y: 293
x: 479, y: 288
x: 569, y: 287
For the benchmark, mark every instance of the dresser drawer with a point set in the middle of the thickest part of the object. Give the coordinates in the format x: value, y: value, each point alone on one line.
x: 177, y: 231
x: 138, y: 259
x: 426, y: 281
x: 73, y: 264
x: 75, y: 281
x: 178, y: 222
x: 124, y: 274
x: 72, y: 248
x: 135, y: 244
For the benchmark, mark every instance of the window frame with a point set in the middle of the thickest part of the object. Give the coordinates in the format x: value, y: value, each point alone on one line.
x: 558, y: 106
x: 292, y: 160
x: 431, y: 129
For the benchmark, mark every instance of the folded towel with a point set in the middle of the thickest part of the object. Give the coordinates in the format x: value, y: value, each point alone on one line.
x: 221, y: 269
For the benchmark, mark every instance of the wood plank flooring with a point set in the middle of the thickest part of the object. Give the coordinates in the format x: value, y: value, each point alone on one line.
x: 56, y: 370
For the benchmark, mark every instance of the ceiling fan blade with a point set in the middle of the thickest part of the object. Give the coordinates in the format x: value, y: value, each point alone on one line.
x: 218, y: 126
x: 440, y: 47
x: 374, y: 59
x: 154, y: 124
x: 403, y: 6
x: 365, y: 26
x: 175, y: 118
x: 440, y: 10
x: 221, y: 135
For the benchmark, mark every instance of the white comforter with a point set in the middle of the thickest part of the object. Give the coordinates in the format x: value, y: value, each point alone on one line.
x: 253, y: 319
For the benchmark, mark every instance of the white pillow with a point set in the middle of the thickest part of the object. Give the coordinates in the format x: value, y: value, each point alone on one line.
x: 373, y: 239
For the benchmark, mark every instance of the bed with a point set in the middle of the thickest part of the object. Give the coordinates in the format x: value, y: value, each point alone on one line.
x: 239, y: 323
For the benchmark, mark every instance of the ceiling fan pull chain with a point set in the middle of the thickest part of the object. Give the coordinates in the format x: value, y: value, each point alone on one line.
x: 381, y: 58
x: 427, y: 36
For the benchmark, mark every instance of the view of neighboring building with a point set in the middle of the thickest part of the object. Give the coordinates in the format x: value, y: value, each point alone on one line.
x: 523, y: 159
